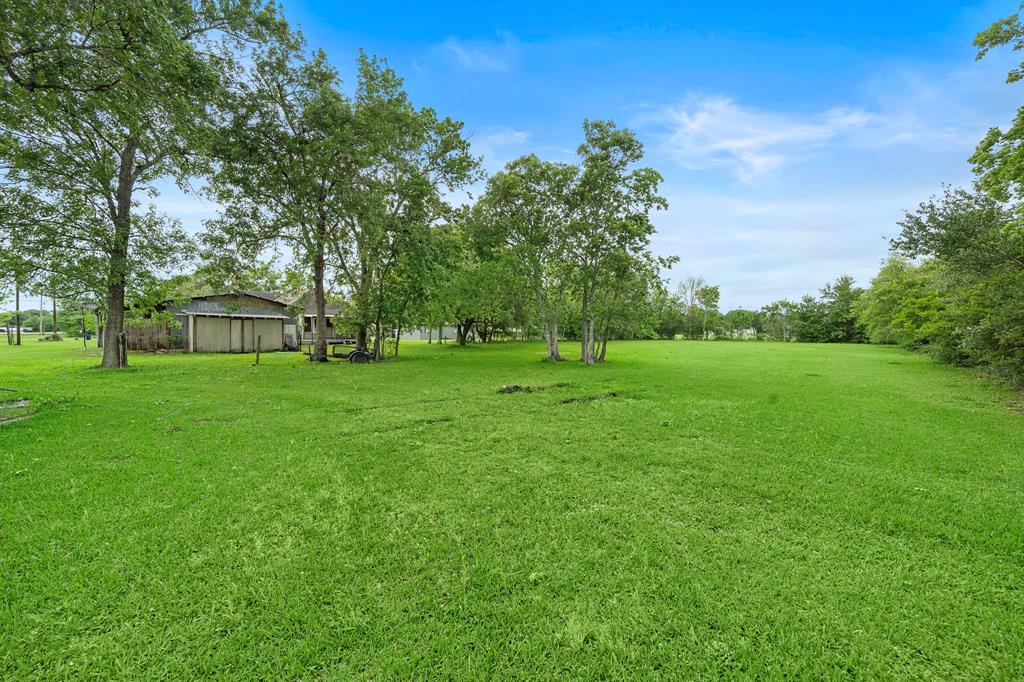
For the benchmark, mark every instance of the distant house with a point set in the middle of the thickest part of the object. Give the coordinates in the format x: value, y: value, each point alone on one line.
x: 428, y: 333
x: 308, y: 321
x: 232, y: 323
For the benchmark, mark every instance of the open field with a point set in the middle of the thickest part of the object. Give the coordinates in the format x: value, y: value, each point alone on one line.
x: 688, y: 510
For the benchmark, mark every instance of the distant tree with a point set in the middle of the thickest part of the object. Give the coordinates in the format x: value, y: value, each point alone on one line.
x: 669, y: 313
x: 810, y: 321
x: 839, y: 299
x: 688, y: 289
x: 878, y: 306
x: 778, y: 319
x: 737, y: 321
x: 707, y: 298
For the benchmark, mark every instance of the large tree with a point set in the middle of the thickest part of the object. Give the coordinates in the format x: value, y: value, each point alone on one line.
x: 612, y: 200
x: 409, y: 160
x: 102, y: 99
x: 525, y: 215
x: 286, y: 163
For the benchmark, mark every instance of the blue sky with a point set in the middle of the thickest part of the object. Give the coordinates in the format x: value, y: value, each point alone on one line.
x: 791, y: 135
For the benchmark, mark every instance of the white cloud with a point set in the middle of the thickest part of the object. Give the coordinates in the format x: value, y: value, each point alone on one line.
x: 762, y: 248
x: 482, y: 55
x: 716, y: 131
x: 499, y: 144
x: 927, y: 110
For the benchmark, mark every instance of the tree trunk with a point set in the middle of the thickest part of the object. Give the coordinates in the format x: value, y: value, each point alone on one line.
x: 549, y: 328
x: 462, y: 330
x: 440, y: 334
x: 591, y: 341
x: 604, y: 339
x: 54, y: 302
x: 551, y: 338
x: 117, y: 274
x: 430, y: 335
x: 378, y: 341
x: 17, y: 313
x: 319, y: 352
x: 587, y: 330
x: 361, y: 337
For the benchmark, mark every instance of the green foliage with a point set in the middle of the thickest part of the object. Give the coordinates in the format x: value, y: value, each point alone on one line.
x: 971, y: 313
x: 779, y: 318
x: 611, y: 225
x: 578, y: 235
x: 999, y: 159
x: 903, y: 304
x: 707, y: 298
x: 741, y: 323
x: 832, y: 318
x: 97, y: 101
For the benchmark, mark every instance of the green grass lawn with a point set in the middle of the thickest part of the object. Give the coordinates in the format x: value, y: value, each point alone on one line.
x: 688, y: 510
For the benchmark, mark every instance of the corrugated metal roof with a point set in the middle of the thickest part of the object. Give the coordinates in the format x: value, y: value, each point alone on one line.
x: 201, y: 313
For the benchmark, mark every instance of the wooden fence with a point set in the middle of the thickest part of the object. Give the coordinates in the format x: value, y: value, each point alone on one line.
x: 147, y: 337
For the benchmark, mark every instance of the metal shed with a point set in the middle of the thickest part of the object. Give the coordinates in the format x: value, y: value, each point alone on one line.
x: 232, y: 323
x: 234, y: 332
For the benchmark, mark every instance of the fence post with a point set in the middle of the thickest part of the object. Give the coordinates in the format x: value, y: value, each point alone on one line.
x: 259, y: 342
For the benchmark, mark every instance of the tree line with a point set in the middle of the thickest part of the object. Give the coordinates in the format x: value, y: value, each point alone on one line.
x: 352, y: 190
x: 99, y: 101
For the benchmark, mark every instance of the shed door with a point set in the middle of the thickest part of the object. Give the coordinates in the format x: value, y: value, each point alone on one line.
x: 213, y: 334
x: 271, y: 333
x: 242, y: 339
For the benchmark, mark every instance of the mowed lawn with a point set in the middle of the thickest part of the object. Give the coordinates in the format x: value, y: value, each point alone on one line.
x: 687, y: 510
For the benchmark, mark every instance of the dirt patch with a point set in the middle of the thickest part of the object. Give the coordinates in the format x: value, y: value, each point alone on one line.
x: 590, y: 398
x: 519, y: 388
x: 15, y: 410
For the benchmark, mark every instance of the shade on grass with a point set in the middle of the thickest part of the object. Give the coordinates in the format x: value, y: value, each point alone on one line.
x: 689, y: 509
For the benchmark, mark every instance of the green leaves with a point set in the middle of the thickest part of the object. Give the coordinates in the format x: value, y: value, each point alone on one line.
x: 999, y: 158
x: 579, y: 230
